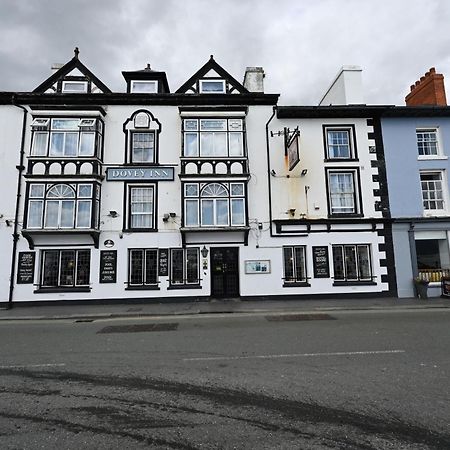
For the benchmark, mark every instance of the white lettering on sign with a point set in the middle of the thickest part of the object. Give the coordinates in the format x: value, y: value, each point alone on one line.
x: 161, y: 173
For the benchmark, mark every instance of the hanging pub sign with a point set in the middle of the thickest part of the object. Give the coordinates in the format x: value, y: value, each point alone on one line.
x: 292, y: 148
x: 160, y: 173
x: 108, y: 266
x: 321, y: 262
x: 25, y: 270
x: 163, y: 262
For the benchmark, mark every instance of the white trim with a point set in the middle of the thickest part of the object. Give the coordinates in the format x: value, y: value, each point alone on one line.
x: 84, y: 83
x: 202, y: 91
x: 135, y: 83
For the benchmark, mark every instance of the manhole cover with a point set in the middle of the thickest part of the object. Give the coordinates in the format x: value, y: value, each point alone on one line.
x: 298, y: 317
x: 139, y: 328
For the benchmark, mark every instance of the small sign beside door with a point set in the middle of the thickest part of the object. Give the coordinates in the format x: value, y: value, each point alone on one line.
x: 321, y: 262
x: 25, y: 270
x: 108, y: 266
x: 163, y: 262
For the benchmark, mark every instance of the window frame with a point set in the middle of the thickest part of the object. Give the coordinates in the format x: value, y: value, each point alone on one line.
x: 358, y: 279
x: 128, y: 216
x: 142, y: 82
x: 292, y: 281
x: 77, y: 199
x: 72, y: 91
x: 185, y: 284
x: 58, y: 286
x: 357, y: 194
x: 200, y: 134
x: 142, y: 131
x: 200, y: 199
x: 353, y: 150
x: 429, y: 130
x: 444, y: 190
x: 212, y: 80
x: 144, y: 284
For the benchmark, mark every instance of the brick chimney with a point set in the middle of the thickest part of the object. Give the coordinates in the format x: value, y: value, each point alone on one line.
x: 429, y: 90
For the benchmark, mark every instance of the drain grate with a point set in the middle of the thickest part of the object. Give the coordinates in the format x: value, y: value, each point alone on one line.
x: 83, y: 320
x: 139, y: 328
x: 298, y: 317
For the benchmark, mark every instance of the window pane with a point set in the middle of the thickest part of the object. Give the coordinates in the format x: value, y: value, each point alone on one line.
x: 338, y: 263
x: 364, y: 262
x: 39, y: 144
x: 213, y: 124
x: 191, y: 213
x: 191, y: 124
x: 35, y: 208
x: 299, y: 258
x: 235, y: 124
x: 51, y: 214
x: 207, y: 212
x: 191, y: 190
x: 85, y: 190
x: 143, y: 147
x: 71, y: 144
x: 342, y: 193
x: 427, y: 142
x: 149, y: 87
x: 236, y: 144
x: 67, y: 270
x: 350, y: 262
x: 141, y: 207
x: 206, y: 144
x: 288, y: 264
x: 237, y: 189
x: 151, y: 266
x: 84, y: 214
x: 177, y: 267
x: 87, y: 144
x: 220, y: 144
x: 217, y: 86
x: 191, y: 144
x: 67, y: 213
x: 136, y: 266
x: 237, y: 211
x: 83, y: 267
x: 221, y: 212
x: 65, y: 124
x: 338, y: 144
x: 56, y: 144
x: 192, y: 265
x: 50, y: 268
x: 37, y: 190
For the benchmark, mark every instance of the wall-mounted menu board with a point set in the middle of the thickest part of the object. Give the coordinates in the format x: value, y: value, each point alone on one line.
x: 25, y: 269
x: 163, y: 262
x: 108, y: 266
x: 321, y: 262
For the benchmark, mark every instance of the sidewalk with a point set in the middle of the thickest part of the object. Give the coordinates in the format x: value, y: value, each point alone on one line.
x: 215, y: 307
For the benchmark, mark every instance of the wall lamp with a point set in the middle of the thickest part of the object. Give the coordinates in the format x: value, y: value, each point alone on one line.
x: 204, y: 252
x: 304, y: 172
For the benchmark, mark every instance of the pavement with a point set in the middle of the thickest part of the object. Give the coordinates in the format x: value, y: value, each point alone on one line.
x: 231, y: 306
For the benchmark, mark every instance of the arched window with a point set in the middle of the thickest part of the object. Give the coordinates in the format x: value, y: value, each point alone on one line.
x: 214, y: 204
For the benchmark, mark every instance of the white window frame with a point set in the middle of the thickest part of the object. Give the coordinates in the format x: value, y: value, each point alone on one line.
x: 72, y: 91
x: 206, y: 81
x: 135, y: 83
x: 445, y: 195
x: 430, y: 130
x: 355, y: 193
x: 152, y: 226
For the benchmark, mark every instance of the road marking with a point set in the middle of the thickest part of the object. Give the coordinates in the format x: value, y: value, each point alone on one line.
x: 27, y: 366
x: 295, y: 355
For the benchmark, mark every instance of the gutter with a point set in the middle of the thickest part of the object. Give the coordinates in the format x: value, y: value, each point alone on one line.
x: 16, y: 234
x: 269, y: 182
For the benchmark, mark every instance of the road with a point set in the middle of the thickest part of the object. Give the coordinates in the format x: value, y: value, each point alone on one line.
x: 343, y: 380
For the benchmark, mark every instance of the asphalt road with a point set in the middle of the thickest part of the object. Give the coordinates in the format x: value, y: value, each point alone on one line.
x: 353, y: 380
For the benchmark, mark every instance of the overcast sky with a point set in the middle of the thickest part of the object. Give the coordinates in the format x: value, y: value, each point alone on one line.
x: 300, y: 43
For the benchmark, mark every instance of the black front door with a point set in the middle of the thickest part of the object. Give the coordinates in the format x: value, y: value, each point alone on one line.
x: 225, y: 272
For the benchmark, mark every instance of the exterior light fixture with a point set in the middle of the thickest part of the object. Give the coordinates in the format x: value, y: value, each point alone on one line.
x: 304, y: 172
x: 113, y: 214
x: 204, y: 252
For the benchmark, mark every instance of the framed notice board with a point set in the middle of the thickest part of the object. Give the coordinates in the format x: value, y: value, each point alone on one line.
x: 25, y: 269
x: 321, y: 262
x: 163, y: 262
x: 108, y: 266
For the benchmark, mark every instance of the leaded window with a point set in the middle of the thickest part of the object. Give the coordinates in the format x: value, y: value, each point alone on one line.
x: 62, y: 206
x: 65, y: 268
x: 352, y: 262
x: 294, y: 260
x: 143, y: 267
x: 214, y: 204
x: 66, y: 137
x: 213, y: 137
x: 184, y: 266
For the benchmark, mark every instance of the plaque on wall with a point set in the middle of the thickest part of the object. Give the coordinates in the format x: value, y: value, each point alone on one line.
x: 163, y: 262
x: 108, y: 266
x: 321, y: 262
x: 25, y: 269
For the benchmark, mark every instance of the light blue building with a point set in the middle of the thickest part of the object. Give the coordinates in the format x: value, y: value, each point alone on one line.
x: 416, y: 143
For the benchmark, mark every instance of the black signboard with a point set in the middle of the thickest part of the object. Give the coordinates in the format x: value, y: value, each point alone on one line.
x: 25, y: 270
x: 108, y: 266
x: 445, y: 284
x: 321, y: 262
x: 163, y: 265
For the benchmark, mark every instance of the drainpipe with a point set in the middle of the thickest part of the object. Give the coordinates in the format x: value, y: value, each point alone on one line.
x: 269, y: 175
x: 16, y: 234
x: 413, y: 251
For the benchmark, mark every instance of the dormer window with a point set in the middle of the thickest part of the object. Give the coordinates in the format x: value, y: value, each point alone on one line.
x: 74, y: 86
x: 212, y: 86
x: 144, y: 87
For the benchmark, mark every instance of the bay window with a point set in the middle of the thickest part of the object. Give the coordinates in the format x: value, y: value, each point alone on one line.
x: 214, y: 204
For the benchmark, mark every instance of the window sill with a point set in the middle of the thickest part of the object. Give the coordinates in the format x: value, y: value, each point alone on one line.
x: 142, y: 288
x: 328, y: 160
x: 139, y: 230
x: 344, y: 215
x: 431, y: 157
x: 184, y: 286
x: 297, y: 284
x: 354, y: 283
x: 46, y: 290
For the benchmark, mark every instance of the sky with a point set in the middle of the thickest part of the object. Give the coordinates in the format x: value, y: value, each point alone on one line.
x: 301, y: 44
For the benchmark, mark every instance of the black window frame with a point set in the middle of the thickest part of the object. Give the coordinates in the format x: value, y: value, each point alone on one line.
x: 294, y: 280
x: 345, y: 261
x: 184, y: 284
x: 357, y: 193
x: 351, y: 130
x: 144, y: 283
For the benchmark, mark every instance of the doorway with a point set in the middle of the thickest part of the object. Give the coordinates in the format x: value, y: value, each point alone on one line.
x: 225, y: 272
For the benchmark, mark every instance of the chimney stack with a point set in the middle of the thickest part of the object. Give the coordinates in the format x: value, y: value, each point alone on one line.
x: 254, y: 79
x: 429, y: 90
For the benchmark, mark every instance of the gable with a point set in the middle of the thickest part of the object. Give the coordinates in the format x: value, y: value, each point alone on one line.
x: 214, y: 76
x: 72, y: 77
